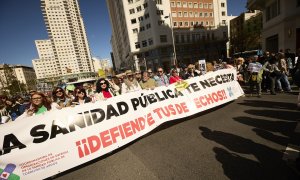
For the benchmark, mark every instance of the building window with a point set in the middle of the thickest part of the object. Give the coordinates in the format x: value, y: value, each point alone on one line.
x: 180, y: 24
x: 131, y: 11
x: 205, y: 14
x: 223, y: 13
x: 160, y: 12
x: 139, y: 8
x: 175, y: 23
x: 273, y: 10
x: 145, y: 5
x: 222, y: 4
x: 210, y: 6
x: 191, y: 14
x: 205, y: 5
x: 190, y: 5
x: 163, y: 38
x: 179, y: 14
x: 130, y: 1
x: 186, y: 24
x: 195, y: 5
x: 158, y: 1
x: 135, y: 30
x: 133, y: 21
x: 147, y: 16
x: 142, y: 28
x: 148, y: 26
x: 141, y: 18
x: 161, y: 22
x: 192, y: 23
x: 196, y: 14
x: 173, y: 4
x: 211, y: 14
x: 150, y: 41
x: 185, y: 14
x: 144, y: 43
x: 224, y: 22
x: 184, y: 4
x: 200, y: 5
x: 178, y: 4
x: 137, y: 45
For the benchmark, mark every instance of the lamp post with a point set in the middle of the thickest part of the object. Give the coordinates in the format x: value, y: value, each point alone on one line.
x: 173, y: 41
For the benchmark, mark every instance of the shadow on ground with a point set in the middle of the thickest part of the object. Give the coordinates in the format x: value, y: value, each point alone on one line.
x: 266, y: 165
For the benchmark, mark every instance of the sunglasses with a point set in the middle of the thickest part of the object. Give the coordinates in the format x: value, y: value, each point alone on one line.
x: 59, y: 91
x: 37, y: 98
x: 101, y: 83
x: 160, y: 71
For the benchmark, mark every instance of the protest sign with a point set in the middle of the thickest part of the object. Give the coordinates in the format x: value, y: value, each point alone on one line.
x: 44, y: 145
x: 202, y: 64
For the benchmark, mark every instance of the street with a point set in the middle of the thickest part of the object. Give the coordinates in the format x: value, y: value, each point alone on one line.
x: 244, y: 139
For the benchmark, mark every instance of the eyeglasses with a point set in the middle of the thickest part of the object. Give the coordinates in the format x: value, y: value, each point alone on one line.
x: 37, y: 98
x: 160, y: 71
x: 101, y: 83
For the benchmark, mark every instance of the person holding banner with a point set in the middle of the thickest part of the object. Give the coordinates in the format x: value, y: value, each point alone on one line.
x: 160, y: 78
x: 191, y: 72
x: 174, y: 76
x: 255, y: 70
x: 61, y: 98
x: 130, y: 84
x: 81, y: 97
x: 147, y: 82
x: 105, y: 89
x: 39, y: 105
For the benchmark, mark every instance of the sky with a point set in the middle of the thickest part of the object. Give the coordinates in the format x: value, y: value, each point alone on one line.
x: 21, y: 23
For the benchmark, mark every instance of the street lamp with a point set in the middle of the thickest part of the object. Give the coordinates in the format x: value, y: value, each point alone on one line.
x: 173, y: 41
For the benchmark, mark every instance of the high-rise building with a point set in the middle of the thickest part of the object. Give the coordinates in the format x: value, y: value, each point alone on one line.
x: 66, y: 52
x: 149, y: 32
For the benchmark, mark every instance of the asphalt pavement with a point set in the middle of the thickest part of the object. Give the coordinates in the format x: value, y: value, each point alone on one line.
x: 249, y: 138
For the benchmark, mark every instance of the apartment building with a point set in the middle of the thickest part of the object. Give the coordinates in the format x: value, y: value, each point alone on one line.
x: 245, y: 31
x: 24, y: 74
x: 281, y: 24
x: 66, y: 52
x: 146, y: 32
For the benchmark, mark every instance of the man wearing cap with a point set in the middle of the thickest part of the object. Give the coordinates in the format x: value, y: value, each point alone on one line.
x: 161, y: 79
x: 130, y: 84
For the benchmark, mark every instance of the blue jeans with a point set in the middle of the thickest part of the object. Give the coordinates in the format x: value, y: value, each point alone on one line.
x: 285, y: 82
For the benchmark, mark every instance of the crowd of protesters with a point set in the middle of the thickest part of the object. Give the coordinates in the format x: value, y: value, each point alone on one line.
x: 267, y: 73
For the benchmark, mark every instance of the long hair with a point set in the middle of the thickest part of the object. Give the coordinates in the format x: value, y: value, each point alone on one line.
x: 80, y: 90
x: 45, y: 101
x: 98, y: 86
x: 55, y: 98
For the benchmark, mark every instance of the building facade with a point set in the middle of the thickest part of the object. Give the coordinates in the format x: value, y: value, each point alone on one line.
x: 281, y: 24
x: 146, y: 32
x: 24, y: 74
x: 245, y: 32
x: 66, y: 53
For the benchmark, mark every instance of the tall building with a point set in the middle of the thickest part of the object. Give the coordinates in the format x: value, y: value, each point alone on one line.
x: 281, y: 24
x: 146, y: 32
x: 245, y: 32
x: 66, y: 53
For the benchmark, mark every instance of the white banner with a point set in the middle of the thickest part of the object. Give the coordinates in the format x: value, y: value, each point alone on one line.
x: 44, y: 145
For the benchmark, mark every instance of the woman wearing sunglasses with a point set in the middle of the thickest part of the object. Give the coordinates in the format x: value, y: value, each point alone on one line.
x: 105, y: 89
x: 81, y: 97
x: 40, y: 104
x: 174, y: 77
x: 61, y: 98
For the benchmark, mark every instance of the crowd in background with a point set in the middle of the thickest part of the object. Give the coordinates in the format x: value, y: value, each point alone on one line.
x: 268, y: 73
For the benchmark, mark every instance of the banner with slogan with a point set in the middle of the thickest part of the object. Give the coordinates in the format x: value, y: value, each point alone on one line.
x: 43, y: 145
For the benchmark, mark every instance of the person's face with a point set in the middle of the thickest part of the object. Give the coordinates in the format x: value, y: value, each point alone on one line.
x: 160, y: 71
x: 8, y: 102
x: 80, y: 94
x: 36, y: 99
x: 174, y: 73
x: 190, y: 69
x: 150, y: 72
x: 145, y: 76
x: 103, y: 84
x: 130, y: 77
x: 59, y: 92
x: 138, y: 75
